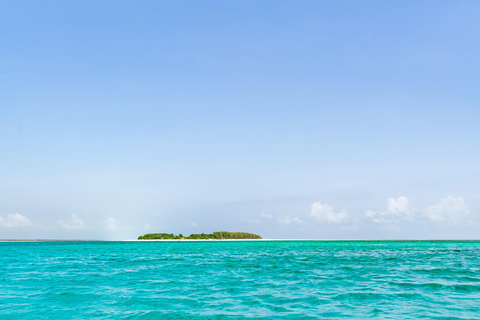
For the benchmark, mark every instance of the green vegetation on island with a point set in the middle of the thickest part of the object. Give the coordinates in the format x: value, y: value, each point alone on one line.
x: 217, y: 235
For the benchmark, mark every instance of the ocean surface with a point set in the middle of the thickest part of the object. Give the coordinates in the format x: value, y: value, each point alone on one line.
x: 240, y: 280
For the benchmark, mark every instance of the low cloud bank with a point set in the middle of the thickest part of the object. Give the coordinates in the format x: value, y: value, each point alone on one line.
x: 15, y: 220
x: 449, y: 209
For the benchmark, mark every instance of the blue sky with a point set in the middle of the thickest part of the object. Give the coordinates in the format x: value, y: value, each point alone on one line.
x: 311, y: 119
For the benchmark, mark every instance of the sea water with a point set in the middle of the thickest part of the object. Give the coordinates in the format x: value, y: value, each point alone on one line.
x: 240, y: 280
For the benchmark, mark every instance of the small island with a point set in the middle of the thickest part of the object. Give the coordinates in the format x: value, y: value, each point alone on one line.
x: 217, y: 235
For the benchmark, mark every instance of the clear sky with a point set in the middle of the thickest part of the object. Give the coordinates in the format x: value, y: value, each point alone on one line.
x: 290, y: 119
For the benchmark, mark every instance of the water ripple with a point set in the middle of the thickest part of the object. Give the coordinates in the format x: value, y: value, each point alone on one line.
x: 240, y: 280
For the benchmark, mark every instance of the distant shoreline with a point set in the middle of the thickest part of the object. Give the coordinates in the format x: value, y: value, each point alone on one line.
x: 250, y: 240
x: 51, y: 240
x: 331, y: 240
x: 223, y: 240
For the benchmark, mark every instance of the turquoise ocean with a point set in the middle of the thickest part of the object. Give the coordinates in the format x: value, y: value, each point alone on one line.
x: 240, y: 280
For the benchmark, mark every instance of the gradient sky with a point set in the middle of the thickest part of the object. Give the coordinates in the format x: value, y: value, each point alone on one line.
x: 290, y: 119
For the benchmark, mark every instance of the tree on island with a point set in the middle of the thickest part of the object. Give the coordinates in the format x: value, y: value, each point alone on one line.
x: 217, y: 235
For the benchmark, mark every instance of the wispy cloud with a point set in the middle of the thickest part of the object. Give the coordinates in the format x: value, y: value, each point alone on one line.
x: 266, y: 215
x: 110, y: 223
x: 75, y: 223
x: 288, y: 220
x: 325, y: 213
x: 15, y: 220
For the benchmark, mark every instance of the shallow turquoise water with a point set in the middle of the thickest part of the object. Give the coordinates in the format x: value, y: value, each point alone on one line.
x: 240, y: 280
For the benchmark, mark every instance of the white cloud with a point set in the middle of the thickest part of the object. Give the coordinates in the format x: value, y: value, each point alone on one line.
x: 449, y: 209
x: 266, y: 215
x: 194, y: 224
x: 325, y: 213
x: 75, y: 223
x: 297, y: 220
x: 370, y: 214
x: 380, y: 217
x: 398, y: 205
x: 397, y: 210
x: 111, y: 223
x: 15, y: 220
x: 288, y: 220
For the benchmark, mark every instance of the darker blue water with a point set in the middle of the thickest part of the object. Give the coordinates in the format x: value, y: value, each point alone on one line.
x: 240, y: 280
